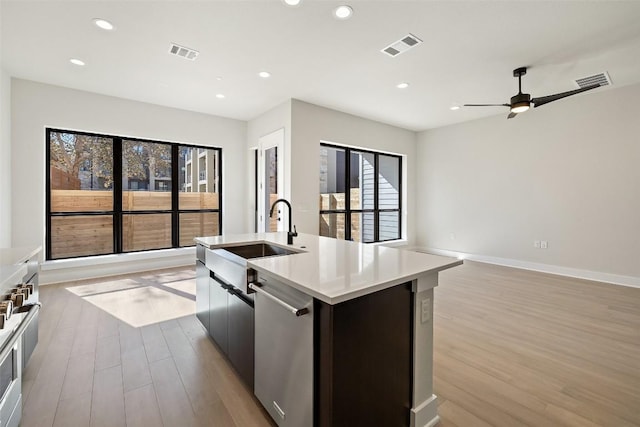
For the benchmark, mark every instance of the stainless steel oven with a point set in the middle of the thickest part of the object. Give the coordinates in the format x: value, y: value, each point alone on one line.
x: 8, y: 371
x: 11, y: 386
x: 11, y: 360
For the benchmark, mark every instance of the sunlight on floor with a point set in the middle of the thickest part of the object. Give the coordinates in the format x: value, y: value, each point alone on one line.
x: 185, y: 286
x: 103, y: 287
x: 142, y: 306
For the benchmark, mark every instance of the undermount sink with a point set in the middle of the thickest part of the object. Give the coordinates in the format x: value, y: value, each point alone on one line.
x: 258, y: 250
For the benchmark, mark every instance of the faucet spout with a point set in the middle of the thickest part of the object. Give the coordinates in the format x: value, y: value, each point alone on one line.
x: 290, y: 234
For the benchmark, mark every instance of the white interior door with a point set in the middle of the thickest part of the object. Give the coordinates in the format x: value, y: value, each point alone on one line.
x: 270, y: 185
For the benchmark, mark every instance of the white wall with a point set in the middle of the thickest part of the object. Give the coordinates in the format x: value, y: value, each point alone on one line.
x: 312, y: 124
x: 567, y: 173
x: 5, y: 152
x: 278, y: 117
x: 5, y: 159
x: 36, y: 106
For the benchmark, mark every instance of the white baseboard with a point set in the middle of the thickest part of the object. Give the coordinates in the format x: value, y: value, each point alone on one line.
x: 425, y: 414
x: 68, y: 270
x: 597, y: 276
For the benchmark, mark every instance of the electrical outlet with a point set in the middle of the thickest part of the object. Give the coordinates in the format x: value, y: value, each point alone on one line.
x: 426, y: 310
x: 536, y: 244
x: 544, y: 244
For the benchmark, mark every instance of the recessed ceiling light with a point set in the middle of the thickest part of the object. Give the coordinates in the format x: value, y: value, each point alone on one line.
x: 343, y: 12
x: 402, y: 85
x: 292, y: 2
x: 220, y: 96
x: 264, y: 74
x: 218, y: 78
x: 77, y: 62
x: 104, y: 24
x: 454, y: 107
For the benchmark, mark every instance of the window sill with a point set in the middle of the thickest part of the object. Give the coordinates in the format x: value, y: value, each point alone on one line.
x: 392, y: 243
x: 116, y: 258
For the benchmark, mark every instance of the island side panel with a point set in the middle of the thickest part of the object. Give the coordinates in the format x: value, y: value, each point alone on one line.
x: 424, y: 412
x: 364, y: 360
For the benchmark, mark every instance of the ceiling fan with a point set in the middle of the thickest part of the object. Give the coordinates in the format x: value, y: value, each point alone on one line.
x: 521, y: 102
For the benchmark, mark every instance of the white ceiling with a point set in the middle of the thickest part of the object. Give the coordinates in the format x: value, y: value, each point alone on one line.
x: 469, y: 52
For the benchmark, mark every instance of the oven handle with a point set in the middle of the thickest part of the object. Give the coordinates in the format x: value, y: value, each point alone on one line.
x: 296, y: 311
x: 8, y: 347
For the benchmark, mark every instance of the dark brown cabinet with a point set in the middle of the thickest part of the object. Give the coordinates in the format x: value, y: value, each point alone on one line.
x: 363, y: 360
x: 218, y: 314
x: 228, y: 316
x: 241, y: 336
x: 202, y: 294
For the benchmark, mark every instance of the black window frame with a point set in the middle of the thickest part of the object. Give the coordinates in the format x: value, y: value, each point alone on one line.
x: 117, y: 212
x: 347, y: 211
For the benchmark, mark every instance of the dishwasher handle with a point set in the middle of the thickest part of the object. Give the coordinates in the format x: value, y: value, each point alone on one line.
x: 296, y: 311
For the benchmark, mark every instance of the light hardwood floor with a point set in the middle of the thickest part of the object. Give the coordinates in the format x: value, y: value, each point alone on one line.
x: 512, y: 348
x: 109, y: 356
x: 520, y: 348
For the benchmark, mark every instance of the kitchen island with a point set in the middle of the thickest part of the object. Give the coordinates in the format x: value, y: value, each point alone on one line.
x: 339, y: 333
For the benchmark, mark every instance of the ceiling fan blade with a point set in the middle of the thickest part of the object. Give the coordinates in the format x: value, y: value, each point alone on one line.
x: 512, y: 115
x: 550, y: 98
x: 487, y: 105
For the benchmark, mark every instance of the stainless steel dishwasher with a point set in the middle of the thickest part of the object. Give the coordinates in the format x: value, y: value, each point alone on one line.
x: 284, y: 352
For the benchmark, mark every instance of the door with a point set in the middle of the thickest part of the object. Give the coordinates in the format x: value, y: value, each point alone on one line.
x: 270, y: 185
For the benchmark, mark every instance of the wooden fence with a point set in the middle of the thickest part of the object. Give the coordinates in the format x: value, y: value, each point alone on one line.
x: 81, y: 235
x: 93, y: 234
x: 332, y: 225
x: 99, y: 200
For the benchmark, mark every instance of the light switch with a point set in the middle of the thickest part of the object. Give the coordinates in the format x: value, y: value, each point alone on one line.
x: 426, y: 310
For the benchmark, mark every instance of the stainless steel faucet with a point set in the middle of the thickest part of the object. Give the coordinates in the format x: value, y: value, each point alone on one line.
x: 290, y: 234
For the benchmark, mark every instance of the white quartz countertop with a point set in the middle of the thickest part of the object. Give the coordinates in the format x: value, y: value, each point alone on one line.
x: 12, y: 256
x: 12, y: 264
x: 12, y: 274
x: 333, y: 270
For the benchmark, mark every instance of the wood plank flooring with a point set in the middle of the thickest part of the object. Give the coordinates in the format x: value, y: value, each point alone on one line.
x: 91, y: 368
x: 512, y: 348
x: 521, y: 348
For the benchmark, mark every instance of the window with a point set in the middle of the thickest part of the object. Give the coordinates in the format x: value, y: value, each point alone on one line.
x: 360, y: 194
x: 107, y: 194
x: 199, y: 199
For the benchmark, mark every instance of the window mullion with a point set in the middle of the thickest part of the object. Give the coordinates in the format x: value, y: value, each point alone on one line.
x: 175, y: 180
x: 219, y: 188
x: 347, y: 195
x: 117, y: 195
x: 400, y: 183
x: 49, y: 236
x: 376, y: 208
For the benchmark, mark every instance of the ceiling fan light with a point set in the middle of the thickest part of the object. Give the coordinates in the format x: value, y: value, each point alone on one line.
x: 520, y: 107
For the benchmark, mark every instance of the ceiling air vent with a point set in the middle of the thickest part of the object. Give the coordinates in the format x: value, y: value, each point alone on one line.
x: 601, y: 79
x: 402, y: 45
x: 183, y: 52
